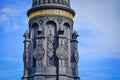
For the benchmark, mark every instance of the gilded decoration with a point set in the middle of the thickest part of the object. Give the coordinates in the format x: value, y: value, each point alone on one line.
x: 51, y: 12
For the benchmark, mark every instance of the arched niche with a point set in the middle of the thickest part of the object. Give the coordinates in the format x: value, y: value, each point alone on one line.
x: 51, y: 41
x: 33, y: 32
x: 34, y: 29
x: 67, y: 30
x: 51, y: 28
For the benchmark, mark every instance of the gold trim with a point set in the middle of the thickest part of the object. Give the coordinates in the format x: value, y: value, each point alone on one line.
x: 51, y: 12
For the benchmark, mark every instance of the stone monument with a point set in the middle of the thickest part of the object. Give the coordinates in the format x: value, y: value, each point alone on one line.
x: 50, y: 45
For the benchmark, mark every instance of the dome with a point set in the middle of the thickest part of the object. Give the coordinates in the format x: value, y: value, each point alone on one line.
x: 51, y: 2
x: 51, y: 7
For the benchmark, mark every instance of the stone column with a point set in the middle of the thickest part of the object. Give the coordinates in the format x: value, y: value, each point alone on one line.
x: 34, y: 2
x: 46, y: 1
x: 26, y: 55
x: 38, y: 2
x: 41, y: 1
x: 62, y: 54
x: 60, y: 1
x: 55, y: 1
x: 68, y: 3
x: 75, y: 54
x: 50, y: 1
x: 64, y: 2
x: 39, y: 51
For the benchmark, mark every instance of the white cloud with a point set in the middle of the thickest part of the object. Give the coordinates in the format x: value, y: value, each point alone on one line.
x: 3, y: 18
x: 8, y: 11
x: 101, y: 18
x: 8, y: 20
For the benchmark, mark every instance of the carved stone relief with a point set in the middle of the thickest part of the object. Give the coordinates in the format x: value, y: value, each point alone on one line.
x: 66, y: 44
x: 60, y: 19
x: 50, y: 49
x: 50, y: 31
x: 66, y: 27
x: 39, y: 53
x: 61, y: 53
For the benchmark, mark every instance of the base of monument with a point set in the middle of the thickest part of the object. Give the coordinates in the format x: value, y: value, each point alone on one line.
x: 51, y: 77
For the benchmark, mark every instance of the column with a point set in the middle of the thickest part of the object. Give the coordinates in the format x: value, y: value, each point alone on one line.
x: 41, y: 1
x: 50, y: 1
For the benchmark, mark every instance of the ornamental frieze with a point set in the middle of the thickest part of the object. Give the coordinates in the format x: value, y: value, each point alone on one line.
x: 52, y: 12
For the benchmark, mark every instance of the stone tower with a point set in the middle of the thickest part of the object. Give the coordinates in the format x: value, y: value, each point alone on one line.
x: 50, y: 45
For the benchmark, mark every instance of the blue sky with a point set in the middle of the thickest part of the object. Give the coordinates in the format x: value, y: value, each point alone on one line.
x: 97, y: 22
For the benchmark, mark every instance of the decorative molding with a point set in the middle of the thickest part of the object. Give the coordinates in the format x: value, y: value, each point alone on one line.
x: 59, y: 20
x: 51, y: 12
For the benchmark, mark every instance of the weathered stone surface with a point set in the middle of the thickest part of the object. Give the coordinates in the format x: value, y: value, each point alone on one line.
x: 50, y: 46
x: 39, y: 53
x: 61, y: 53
